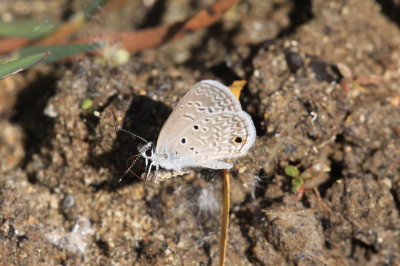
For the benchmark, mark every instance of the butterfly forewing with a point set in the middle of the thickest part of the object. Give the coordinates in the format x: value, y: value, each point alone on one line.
x: 205, y: 98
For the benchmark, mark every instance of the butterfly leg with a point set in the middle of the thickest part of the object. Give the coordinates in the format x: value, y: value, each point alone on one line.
x: 147, y: 163
x: 148, y: 172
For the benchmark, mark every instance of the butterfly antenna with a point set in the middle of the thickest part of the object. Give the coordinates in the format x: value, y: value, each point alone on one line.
x: 128, y: 132
x: 130, y: 168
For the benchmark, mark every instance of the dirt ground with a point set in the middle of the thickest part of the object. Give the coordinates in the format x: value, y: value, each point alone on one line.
x: 323, y: 91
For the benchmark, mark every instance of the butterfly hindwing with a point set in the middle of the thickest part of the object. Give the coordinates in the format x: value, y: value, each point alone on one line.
x: 214, y: 137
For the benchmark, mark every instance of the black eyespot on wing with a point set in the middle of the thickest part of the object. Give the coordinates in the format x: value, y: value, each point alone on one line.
x: 183, y: 140
x: 195, y: 127
x: 238, y: 140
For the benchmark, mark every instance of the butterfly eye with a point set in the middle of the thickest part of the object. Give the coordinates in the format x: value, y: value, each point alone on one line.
x: 148, y: 152
x: 238, y: 140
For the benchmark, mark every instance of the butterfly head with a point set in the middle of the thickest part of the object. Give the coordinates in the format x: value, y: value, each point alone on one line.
x: 148, y: 153
x: 147, y: 150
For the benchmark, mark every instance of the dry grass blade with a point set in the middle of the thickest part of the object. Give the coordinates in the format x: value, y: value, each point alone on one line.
x: 156, y: 36
x: 226, y: 202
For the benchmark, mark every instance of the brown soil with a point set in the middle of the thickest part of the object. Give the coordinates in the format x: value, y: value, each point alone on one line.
x: 323, y: 91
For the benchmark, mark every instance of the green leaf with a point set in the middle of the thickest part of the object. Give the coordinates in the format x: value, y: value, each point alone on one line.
x: 296, y: 184
x: 86, y: 104
x: 292, y: 171
x: 27, y: 28
x: 294, y: 189
x: 59, y: 52
x: 20, y: 64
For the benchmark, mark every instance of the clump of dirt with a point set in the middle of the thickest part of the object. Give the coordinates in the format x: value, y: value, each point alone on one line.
x: 322, y: 91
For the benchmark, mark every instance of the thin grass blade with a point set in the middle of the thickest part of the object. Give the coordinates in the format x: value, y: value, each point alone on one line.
x: 20, y: 64
x: 59, y: 52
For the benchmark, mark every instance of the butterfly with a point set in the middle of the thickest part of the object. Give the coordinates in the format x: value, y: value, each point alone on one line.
x: 207, y: 127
